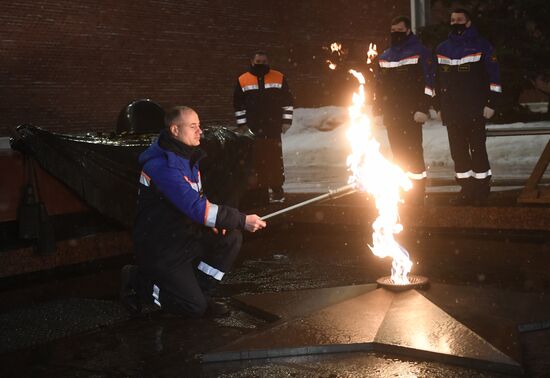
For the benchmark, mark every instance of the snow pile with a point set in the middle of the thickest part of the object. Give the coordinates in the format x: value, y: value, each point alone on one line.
x: 315, y: 150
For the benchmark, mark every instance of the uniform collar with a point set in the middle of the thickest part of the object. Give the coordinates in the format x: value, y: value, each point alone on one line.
x: 167, y: 143
x: 469, y: 34
x: 410, y: 40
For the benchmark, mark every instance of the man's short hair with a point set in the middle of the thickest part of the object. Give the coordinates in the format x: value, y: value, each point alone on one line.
x: 171, y: 116
x: 258, y: 52
x: 403, y: 19
x: 465, y: 12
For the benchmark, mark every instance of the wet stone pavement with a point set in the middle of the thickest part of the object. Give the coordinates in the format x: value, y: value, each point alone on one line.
x: 75, y: 327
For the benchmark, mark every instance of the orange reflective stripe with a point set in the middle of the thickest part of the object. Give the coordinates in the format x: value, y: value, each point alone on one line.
x: 193, y: 185
x: 206, y: 211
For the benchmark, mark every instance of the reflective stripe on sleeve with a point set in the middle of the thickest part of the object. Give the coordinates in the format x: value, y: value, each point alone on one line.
x: 429, y: 91
x: 210, y: 214
x: 193, y: 185
x: 144, y: 179
x: 288, y: 108
x: 240, y: 121
x: 240, y: 113
x: 287, y: 116
x: 211, y: 271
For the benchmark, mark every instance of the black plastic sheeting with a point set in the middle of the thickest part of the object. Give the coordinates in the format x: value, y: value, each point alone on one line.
x: 104, y: 170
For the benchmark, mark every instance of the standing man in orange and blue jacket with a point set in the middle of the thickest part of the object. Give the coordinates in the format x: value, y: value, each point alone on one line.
x: 264, y: 106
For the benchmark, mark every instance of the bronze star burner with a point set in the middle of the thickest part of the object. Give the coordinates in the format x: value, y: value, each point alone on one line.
x: 415, y: 282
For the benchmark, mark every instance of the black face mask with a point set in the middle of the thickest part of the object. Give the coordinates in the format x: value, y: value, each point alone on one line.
x: 458, y: 29
x: 260, y: 69
x: 397, y: 37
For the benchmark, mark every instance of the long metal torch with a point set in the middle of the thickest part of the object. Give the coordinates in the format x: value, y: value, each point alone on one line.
x: 332, y: 194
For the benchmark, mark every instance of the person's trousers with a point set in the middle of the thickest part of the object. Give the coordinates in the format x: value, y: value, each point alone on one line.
x: 469, y: 153
x: 268, y: 163
x: 177, y: 290
x: 405, y: 137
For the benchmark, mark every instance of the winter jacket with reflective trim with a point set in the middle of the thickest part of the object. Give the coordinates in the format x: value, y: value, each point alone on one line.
x: 172, y: 210
x: 404, y: 80
x: 263, y: 103
x: 468, y: 77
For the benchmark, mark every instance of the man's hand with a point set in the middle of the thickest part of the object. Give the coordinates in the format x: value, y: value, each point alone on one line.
x: 420, y: 117
x: 488, y: 112
x: 254, y: 223
x: 285, y: 127
x: 217, y: 232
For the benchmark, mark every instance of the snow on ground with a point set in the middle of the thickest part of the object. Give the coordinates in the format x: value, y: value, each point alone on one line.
x: 315, y: 150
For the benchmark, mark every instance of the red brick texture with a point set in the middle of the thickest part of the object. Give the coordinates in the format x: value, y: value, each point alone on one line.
x: 72, y: 65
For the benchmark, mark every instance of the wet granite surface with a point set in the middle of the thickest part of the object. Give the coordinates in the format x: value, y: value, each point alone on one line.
x: 284, y: 258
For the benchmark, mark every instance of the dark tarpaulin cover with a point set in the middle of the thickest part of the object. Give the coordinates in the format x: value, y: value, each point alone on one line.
x: 104, y: 170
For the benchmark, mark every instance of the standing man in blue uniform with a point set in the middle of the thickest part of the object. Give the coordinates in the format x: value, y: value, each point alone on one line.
x: 181, y: 239
x: 264, y: 105
x: 468, y: 89
x: 403, y: 93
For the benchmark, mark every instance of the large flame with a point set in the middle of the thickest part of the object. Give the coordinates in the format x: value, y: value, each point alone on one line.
x: 373, y: 173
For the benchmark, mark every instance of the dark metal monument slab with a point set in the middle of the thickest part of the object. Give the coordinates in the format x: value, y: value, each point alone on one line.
x: 289, y: 304
x: 409, y: 323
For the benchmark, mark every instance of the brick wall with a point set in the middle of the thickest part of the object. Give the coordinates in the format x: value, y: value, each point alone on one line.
x: 72, y: 65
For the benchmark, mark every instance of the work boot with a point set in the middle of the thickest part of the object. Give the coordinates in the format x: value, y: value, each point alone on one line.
x: 128, y: 289
x: 207, y: 283
x: 277, y: 196
x: 216, y: 309
x: 466, y: 195
x: 482, y: 188
x: 416, y: 195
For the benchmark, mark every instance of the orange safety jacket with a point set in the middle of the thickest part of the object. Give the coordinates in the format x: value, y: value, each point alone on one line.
x: 263, y: 103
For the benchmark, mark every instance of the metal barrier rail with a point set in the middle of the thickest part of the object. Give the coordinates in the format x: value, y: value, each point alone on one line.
x: 506, y: 182
x: 495, y: 132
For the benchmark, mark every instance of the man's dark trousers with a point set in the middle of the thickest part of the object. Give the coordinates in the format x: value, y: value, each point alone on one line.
x: 177, y: 290
x: 473, y: 171
x: 405, y: 137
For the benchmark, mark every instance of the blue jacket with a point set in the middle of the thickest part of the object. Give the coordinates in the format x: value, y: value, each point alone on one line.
x: 468, y: 77
x: 172, y: 209
x: 404, y: 80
